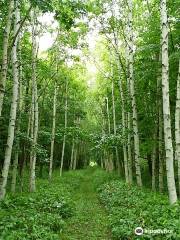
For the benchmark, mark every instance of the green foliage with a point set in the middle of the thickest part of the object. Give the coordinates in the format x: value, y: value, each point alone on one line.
x: 39, y: 215
x: 129, y: 208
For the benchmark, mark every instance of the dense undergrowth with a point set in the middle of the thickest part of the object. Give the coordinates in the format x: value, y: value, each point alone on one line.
x: 69, y: 204
x: 129, y: 208
x: 39, y: 215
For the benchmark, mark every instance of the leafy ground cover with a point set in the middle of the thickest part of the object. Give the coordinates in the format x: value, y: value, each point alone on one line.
x: 67, y: 208
x: 87, y: 204
x: 39, y: 215
x: 129, y: 208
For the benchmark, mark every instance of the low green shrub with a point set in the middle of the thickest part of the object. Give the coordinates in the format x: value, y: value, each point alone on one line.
x: 129, y: 208
x: 38, y: 215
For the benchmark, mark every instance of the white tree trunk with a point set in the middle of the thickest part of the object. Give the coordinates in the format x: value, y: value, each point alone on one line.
x: 65, y: 127
x: 133, y: 98
x: 75, y: 159
x: 129, y: 117
x: 3, y: 72
x: 53, y: 132
x: 177, y: 126
x: 166, y: 105
x: 114, y: 123
x: 25, y: 151
x: 108, y: 117
x: 160, y: 146
x: 72, y: 155
x: 153, y: 158
x: 20, y: 109
x: 110, y: 165
x: 130, y: 162
x: 13, y: 110
x: 32, y: 184
x: 160, y: 129
x: 123, y: 114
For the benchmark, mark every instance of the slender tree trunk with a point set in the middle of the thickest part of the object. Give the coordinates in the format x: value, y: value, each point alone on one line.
x: 75, y: 159
x: 65, y: 127
x: 108, y: 117
x: 153, y: 158
x: 129, y: 117
x: 13, y: 110
x: 72, y: 156
x: 25, y: 153
x: 104, y: 160
x: 114, y: 124
x: 110, y: 160
x: 177, y: 126
x: 3, y: 72
x: 53, y: 132
x: 166, y: 105
x: 130, y: 162
x: 160, y: 146
x: 32, y: 184
x: 154, y: 152
x: 20, y: 109
x: 133, y: 98
x: 160, y: 129
x: 123, y: 125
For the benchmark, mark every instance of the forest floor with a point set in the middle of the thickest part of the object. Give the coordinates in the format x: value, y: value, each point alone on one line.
x: 87, y: 204
x: 90, y: 220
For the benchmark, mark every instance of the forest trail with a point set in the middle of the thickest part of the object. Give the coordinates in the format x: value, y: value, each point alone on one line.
x: 90, y: 220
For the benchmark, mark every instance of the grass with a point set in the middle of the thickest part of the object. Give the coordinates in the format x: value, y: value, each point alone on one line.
x: 87, y: 204
x: 68, y: 208
x: 90, y: 220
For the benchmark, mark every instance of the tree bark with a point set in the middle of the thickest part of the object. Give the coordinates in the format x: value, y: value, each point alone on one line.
x: 160, y: 146
x: 75, y: 159
x: 166, y: 105
x: 65, y: 127
x: 110, y: 165
x: 13, y: 110
x: 153, y: 158
x: 20, y: 109
x: 114, y: 124
x: 32, y: 184
x: 72, y: 155
x: 177, y: 126
x: 3, y: 72
x: 53, y: 132
x: 133, y: 97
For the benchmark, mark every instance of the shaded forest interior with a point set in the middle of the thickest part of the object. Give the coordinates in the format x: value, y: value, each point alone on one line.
x: 89, y: 83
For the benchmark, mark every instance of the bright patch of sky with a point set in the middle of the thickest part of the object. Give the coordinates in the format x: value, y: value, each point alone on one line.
x: 47, y: 38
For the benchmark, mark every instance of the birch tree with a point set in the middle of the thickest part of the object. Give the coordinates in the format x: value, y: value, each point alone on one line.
x: 110, y: 165
x: 160, y: 147
x: 114, y: 122
x: 11, y: 128
x: 166, y: 104
x: 177, y: 126
x: 3, y: 71
x: 72, y: 155
x: 65, y: 126
x: 35, y: 113
x: 53, y: 131
x: 18, y: 128
x: 133, y: 97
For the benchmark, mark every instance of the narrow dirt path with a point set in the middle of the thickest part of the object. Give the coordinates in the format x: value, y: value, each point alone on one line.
x: 90, y: 221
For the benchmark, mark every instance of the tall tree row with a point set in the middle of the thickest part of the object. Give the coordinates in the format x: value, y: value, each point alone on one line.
x: 143, y: 69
